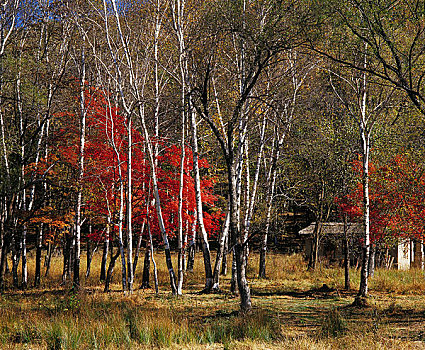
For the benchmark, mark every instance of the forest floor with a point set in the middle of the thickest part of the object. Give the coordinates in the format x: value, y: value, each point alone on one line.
x: 292, y: 309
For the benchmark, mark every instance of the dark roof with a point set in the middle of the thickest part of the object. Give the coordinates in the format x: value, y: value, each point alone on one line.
x: 333, y: 228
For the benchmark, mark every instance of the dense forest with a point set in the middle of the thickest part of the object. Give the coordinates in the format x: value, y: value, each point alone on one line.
x: 134, y: 126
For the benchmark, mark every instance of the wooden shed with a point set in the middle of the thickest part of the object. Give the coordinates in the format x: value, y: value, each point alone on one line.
x: 331, y: 247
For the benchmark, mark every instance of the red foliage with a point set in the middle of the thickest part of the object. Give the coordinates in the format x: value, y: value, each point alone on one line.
x: 106, y: 152
x: 397, y: 193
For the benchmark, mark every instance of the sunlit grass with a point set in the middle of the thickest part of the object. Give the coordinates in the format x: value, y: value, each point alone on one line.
x: 286, y: 315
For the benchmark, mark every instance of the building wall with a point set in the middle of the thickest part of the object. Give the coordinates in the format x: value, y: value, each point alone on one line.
x: 403, y: 255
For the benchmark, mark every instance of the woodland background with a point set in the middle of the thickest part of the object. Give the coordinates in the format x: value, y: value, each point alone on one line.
x: 134, y: 126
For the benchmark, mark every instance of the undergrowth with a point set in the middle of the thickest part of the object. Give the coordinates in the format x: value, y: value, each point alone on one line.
x: 53, y: 317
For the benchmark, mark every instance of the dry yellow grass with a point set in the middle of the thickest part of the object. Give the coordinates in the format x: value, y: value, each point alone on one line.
x: 290, y: 312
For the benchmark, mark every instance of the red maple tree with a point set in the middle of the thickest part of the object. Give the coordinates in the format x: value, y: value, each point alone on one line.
x: 397, y: 194
x: 106, y: 150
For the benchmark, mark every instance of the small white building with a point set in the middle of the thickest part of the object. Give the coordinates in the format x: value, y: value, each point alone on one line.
x: 408, y: 253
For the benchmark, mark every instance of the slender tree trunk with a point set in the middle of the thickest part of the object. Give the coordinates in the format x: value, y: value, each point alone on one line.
x: 78, y: 219
x: 90, y: 252
x: 233, y: 280
x: 137, y: 252
x: 199, y: 210
x: 48, y: 259
x: 270, y: 194
x: 238, y: 246
x: 105, y: 254
x: 316, y: 244
x: 155, y: 270
x: 180, y: 198
x: 66, y: 258
x: 1, y: 248
x: 250, y: 200
x: 121, y: 211
x: 3, y: 260
x: 38, y: 254
x: 225, y: 255
x: 24, y: 258
x: 16, y: 256
x: 23, y: 200
x: 129, y: 211
x: 346, y: 256
x: 120, y: 235
x: 177, y: 8
x: 192, y: 246
x: 220, y: 252
x: 185, y: 238
x: 146, y: 268
x: 363, y: 290
x: 371, y: 267
x: 111, y: 266
x: 148, y: 254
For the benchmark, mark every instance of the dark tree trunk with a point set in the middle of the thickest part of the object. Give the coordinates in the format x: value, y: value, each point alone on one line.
x: 237, y: 239
x: 191, y: 251
x: 38, y: 254
x: 263, y: 252
x: 220, y: 253
x: 207, y: 266
x: 244, y: 291
x: 190, y: 256
x: 146, y: 268
x: 66, y: 259
x: 48, y: 259
x: 316, y: 247
x: 225, y: 254
x: 76, y: 279
x: 71, y: 253
x: 155, y: 270
x: 88, y: 257
x: 16, y: 255
x: 233, y: 281
x: 346, y: 256
x: 90, y: 254
x: 173, y: 278
x: 111, y: 266
x: 137, y: 252
x: 104, y: 259
x: 371, y: 267
x: 3, y: 261
x: 418, y: 254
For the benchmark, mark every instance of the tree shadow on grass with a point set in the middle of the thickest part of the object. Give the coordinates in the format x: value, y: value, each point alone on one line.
x: 323, y: 292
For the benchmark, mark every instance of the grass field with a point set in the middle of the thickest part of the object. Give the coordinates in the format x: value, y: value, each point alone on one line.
x: 291, y: 311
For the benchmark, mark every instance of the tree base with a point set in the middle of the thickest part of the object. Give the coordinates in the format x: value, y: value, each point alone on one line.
x: 360, y: 302
x: 145, y: 286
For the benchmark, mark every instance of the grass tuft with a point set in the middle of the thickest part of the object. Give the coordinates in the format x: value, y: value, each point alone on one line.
x: 333, y: 324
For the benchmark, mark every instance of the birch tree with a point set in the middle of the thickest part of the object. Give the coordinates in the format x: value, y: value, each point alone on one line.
x: 294, y: 69
x: 132, y: 99
x: 364, y: 103
x: 254, y: 47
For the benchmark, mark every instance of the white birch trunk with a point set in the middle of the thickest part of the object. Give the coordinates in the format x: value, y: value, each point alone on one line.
x: 129, y: 209
x: 177, y: 13
x: 78, y: 219
x: 199, y: 210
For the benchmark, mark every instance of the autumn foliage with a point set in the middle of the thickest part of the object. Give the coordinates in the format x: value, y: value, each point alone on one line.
x: 105, y: 165
x: 397, y: 194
